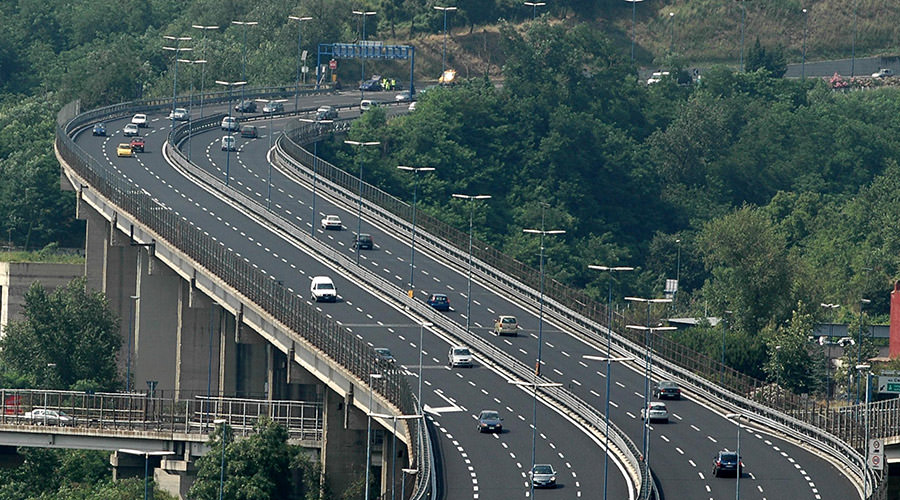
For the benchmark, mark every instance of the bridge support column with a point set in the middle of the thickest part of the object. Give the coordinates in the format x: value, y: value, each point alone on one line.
x: 196, y: 344
x: 252, y: 365
x: 227, y: 354
x: 175, y: 477
x: 125, y: 466
x: 156, y: 324
x: 343, y: 442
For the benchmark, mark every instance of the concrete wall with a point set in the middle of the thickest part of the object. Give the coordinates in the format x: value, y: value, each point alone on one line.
x: 17, y: 277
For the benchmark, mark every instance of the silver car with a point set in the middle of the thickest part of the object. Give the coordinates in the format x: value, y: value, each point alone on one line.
x: 460, y: 356
x: 543, y: 476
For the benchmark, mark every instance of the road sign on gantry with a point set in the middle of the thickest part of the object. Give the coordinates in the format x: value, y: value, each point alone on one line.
x: 889, y: 385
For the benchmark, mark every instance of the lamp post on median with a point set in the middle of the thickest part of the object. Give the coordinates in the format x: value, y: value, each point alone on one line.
x: 372, y: 376
x: 394, y: 443
x: 147, y: 455
x: 472, y: 199
x: 229, y: 86
x: 312, y: 225
x: 421, y: 339
x: 412, y: 244
x: 177, y: 48
x: 359, y: 198
x: 633, y: 18
x: 534, y: 6
x: 648, y: 368
x: 191, y: 101
x: 364, y: 14
x: 244, y: 25
x: 737, y: 486
x: 444, y: 48
x: 868, y: 371
x: 299, y: 20
x: 203, y: 29
x: 608, y: 358
x: 534, y: 385
x: 270, y: 134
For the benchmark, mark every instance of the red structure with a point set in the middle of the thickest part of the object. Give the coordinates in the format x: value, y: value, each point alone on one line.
x: 895, y: 322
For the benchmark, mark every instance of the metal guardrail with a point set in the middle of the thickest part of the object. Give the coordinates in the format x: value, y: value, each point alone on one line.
x: 325, y: 334
x: 144, y: 413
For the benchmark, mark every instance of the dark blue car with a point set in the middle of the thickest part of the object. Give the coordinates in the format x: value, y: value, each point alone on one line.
x: 439, y: 301
x: 99, y: 129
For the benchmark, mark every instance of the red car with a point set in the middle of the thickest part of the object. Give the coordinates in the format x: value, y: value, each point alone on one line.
x: 137, y: 144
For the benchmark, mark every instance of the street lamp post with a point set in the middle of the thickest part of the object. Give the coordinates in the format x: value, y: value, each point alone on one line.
x: 312, y: 225
x: 412, y: 244
x: 410, y: 472
x: 743, y: 15
x: 471, y: 199
x: 859, y: 344
x: 421, y: 339
x: 609, y: 360
x: 648, y: 367
x: 372, y: 376
x: 147, y: 455
x: 299, y: 20
x: 832, y: 307
x: 677, y: 274
x: 223, y: 423
x: 671, y: 32
x: 203, y: 29
x: 805, y: 31
x: 363, y: 14
x: 229, y: 86
x: 359, y: 198
x: 394, y: 443
x: 534, y: 386
x: 444, y: 48
x: 535, y: 5
x: 191, y: 100
x: 270, y: 134
x: 130, y: 344
x: 865, y: 477
x: 177, y: 48
x: 633, y: 21
x: 737, y: 486
x: 724, y: 330
x: 244, y: 25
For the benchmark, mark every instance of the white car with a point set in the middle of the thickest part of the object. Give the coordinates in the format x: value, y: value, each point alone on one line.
x: 332, y: 222
x: 179, y: 114
x: 229, y: 143
x: 130, y: 130
x: 656, y: 77
x: 460, y: 356
x: 322, y: 289
x: 140, y: 120
x: 655, y: 411
x: 883, y: 72
x: 230, y: 123
x: 43, y: 416
x: 412, y: 106
x: 404, y: 96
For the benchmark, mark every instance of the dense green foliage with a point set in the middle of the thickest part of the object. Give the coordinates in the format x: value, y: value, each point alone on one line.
x: 68, y: 340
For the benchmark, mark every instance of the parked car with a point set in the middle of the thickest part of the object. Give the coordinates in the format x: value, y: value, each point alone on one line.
x: 367, y: 104
x: 137, y: 144
x: 404, y: 96
x: 727, y: 462
x: 655, y: 411
x: 99, y: 129
x: 883, y: 72
x: 371, y: 85
x: 460, y: 356
x: 543, y: 476
x: 439, y: 301
x: 230, y: 123
x: 322, y: 289
x: 326, y: 113
x: 506, y: 325
x: 44, y: 416
x: 249, y: 131
x: 384, y: 354
x: 332, y: 222
x: 273, y: 107
x: 130, y: 130
x: 179, y: 114
x: 364, y: 241
x: 229, y: 143
x: 490, y: 421
x: 245, y: 107
x: 667, y: 389
x: 124, y: 149
x: 140, y: 120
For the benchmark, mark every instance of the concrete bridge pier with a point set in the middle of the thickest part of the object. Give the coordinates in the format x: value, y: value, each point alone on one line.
x: 155, y: 325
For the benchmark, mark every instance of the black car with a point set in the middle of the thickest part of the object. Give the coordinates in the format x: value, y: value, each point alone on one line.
x: 727, y: 462
x: 666, y: 389
x: 245, y: 107
x: 489, y: 421
x: 249, y: 131
x: 439, y: 301
x: 364, y: 242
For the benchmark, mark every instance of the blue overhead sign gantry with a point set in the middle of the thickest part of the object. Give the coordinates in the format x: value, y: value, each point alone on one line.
x: 366, y: 50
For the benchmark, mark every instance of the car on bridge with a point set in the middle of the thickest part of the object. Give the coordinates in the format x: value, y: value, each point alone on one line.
x: 230, y: 123
x: 332, y: 222
x: 124, y: 150
x: 439, y: 301
x: 460, y: 356
x: 364, y: 242
x: 667, y: 389
x: 249, y: 132
x: 229, y: 143
x: 384, y: 354
x: 140, y: 119
x: 137, y: 144
x: 655, y: 411
x: 245, y: 107
x: 99, y: 129
x: 490, y: 421
x: 273, y: 107
x: 506, y: 325
x: 179, y: 114
x: 543, y: 476
x: 326, y: 113
x: 44, y: 416
x: 727, y: 462
x: 322, y: 289
x: 130, y: 130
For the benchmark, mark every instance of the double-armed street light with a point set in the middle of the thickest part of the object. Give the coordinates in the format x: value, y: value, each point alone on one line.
x: 534, y: 6
x: 177, y: 49
x: 363, y: 14
x: 534, y: 384
x: 633, y: 24
x: 229, y: 86
x: 244, y: 25
x: 192, y: 62
x: 299, y: 20
x: 394, y: 443
x: 471, y: 199
x: 412, y: 243
x: 359, y: 198
x: 444, y: 48
x: 372, y: 377
x: 270, y: 133
x: 319, y: 123
x: 147, y: 455
x: 737, y: 487
x: 203, y: 29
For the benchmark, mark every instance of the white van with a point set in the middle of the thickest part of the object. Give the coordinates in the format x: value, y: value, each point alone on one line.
x: 322, y: 289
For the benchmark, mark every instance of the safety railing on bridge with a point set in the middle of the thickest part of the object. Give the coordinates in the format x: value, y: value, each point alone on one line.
x: 146, y: 413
